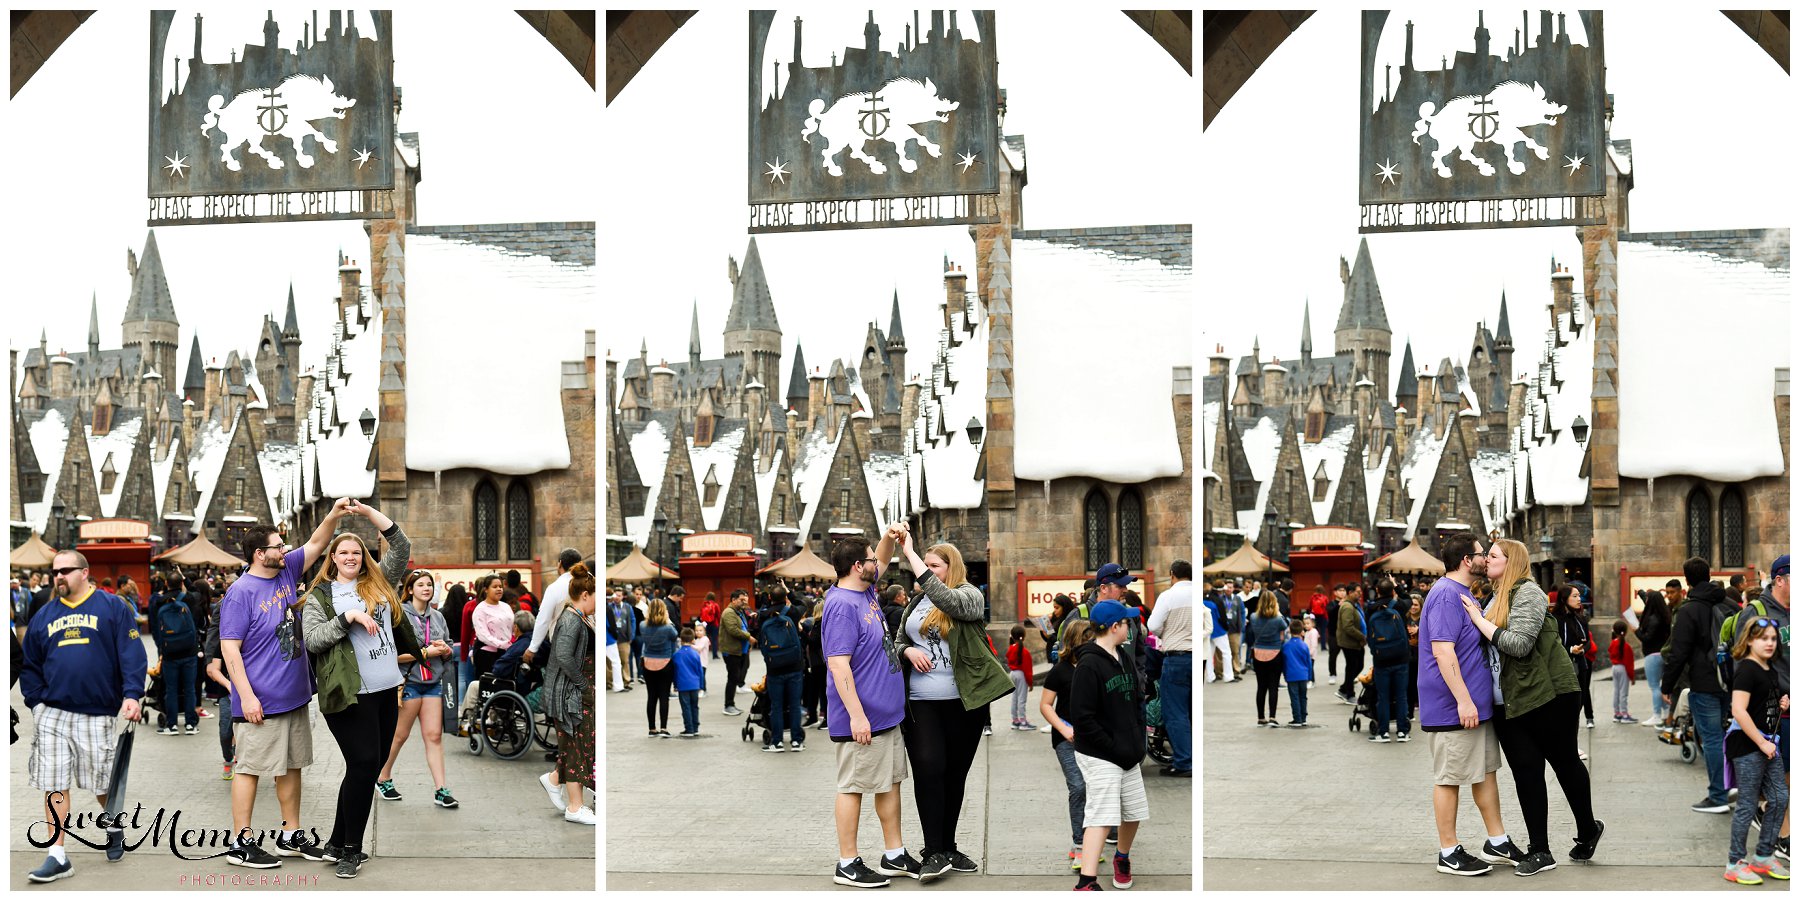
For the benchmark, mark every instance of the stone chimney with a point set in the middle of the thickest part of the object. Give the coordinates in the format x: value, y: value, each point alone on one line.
x: 793, y: 437
x: 349, y: 285
x: 753, y: 408
x: 1562, y: 287
x: 1218, y: 365
x: 956, y: 284
x: 62, y: 375
x: 817, y: 398
x: 1274, y: 383
x: 859, y: 426
x: 662, y: 387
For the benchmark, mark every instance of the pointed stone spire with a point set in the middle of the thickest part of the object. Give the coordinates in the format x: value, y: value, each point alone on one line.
x: 1362, y: 295
x: 1306, y: 332
x: 895, y: 337
x: 193, y: 385
x: 94, y: 324
x: 1503, y: 330
x: 291, y: 325
x: 1409, y: 380
x: 797, y: 379
x: 149, y: 298
x: 751, y: 305
x: 694, y: 337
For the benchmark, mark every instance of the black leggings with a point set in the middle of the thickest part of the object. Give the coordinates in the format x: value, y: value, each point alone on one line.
x: 941, y: 739
x: 1353, y: 667
x: 659, y: 682
x: 813, y: 692
x: 1268, y: 682
x: 364, y: 732
x: 1547, y: 735
x: 1585, y: 674
x: 484, y: 661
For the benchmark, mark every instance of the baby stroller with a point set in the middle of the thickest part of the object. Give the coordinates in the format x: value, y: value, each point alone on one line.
x: 1365, y: 702
x: 1681, y: 734
x: 1158, y: 744
x: 758, y: 718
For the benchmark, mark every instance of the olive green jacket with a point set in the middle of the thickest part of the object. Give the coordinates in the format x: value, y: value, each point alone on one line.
x: 328, y: 636
x: 980, y: 677
x: 1534, y: 667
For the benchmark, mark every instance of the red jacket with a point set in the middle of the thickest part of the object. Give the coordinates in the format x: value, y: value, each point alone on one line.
x: 709, y: 613
x: 1620, y: 652
x: 468, y: 628
x: 1017, y: 657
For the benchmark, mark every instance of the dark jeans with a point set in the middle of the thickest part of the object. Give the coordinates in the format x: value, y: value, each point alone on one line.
x: 484, y: 661
x: 1585, y: 674
x: 364, y: 732
x: 690, y: 710
x: 1268, y: 684
x: 1353, y: 664
x: 784, y: 705
x: 1530, y: 740
x: 813, y: 695
x: 941, y: 739
x: 656, y: 698
x: 736, y: 665
x: 712, y: 635
x: 1757, y: 777
x: 1177, y: 693
x: 1065, y: 755
x: 1390, y: 699
x: 1297, y: 700
x: 178, y: 688
x: 1708, y: 710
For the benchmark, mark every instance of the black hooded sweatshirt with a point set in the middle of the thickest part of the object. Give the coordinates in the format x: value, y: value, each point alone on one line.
x: 1105, y: 708
x: 1691, y: 650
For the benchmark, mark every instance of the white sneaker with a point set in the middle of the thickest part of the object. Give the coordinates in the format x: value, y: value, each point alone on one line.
x: 554, y: 791
x: 584, y: 816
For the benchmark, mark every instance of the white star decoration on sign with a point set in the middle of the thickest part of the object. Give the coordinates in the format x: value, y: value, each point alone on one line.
x: 965, y: 160
x: 777, y: 171
x: 1573, y: 164
x: 177, y: 166
x: 363, y: 156
x: 1388, y: 171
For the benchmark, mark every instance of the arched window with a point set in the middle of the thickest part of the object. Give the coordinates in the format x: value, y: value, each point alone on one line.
x: 1699, y: 523
x: 487, y: 521
x: 1131, y: 529
x: 518, y: 521
x: 1731, y: 527
x: 1094, y: 515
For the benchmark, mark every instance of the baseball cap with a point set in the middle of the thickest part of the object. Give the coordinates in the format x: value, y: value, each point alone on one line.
x: 1115, y: 574
x: 1106, y: 613
x: 1780, y: 568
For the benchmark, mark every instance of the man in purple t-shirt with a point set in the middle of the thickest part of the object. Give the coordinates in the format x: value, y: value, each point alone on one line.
x: 865, y: 700
x: 1456, y: 702
x: 271, y: 685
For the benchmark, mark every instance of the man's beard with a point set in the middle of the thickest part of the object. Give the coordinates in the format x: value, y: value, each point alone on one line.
x: 62, y: 589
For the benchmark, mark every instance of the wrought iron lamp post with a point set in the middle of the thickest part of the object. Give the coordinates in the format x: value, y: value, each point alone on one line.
x: 1547, y: 545
x: 1269, y: 545
x: 659, y: 527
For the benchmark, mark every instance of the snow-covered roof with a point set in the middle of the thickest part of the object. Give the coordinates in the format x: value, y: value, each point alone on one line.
x: 116, y: 444
x: 161, y: 468
x: 1209, y: 427
x: 720, y: 460
x: 1065, y: 285
x: 280, y: 464
x: 1330, y: 452
x: 49, y: 441
x: 348, y: 388
x: 1492, y: 470
x: 206, y: 461
x: 1373, y: 479
x: 765, y: 483
x: 955, y: 392
x: 533, y: 310
x: 811, y: 468
x: 650, y: 449
x: 886, y: 476
x: 1262, y: 447
x: 1723, y: 369
x: 1417, y: 472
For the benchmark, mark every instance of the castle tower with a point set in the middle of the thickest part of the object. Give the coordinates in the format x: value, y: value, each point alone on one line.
x: 1406, y: 394
x: 1306, y: 334
x: 797, y: 394
x: 1362, y: 327
x: 752, y: 332
x: 290, y: 334
x: 896, y: 348
x: 150, y: 321
x: 694, y: 339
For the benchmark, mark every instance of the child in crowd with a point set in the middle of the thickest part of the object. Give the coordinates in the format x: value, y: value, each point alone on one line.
x: 1105, y: 708
x: 1619, y: 650
x: 1310, y: 636
x: 690, y: 677
x: 1757, y: 705
x: 1018, y: 666
x: 702, y: 646
x: 1297, y: 660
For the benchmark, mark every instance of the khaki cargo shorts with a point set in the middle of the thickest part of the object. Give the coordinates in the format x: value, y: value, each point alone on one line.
x: 872, y: 768
x: 1464, y: 756
x: 277, y: 744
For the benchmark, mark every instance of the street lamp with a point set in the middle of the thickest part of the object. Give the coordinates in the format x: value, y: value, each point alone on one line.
x: 1269, y: 544
x: 1547, y: 545
x: 659, y: 526
x: 56, y: 525
x: 367, y: 421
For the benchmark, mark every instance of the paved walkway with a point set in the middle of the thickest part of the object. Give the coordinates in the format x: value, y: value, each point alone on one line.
x: 716, y: 812
x: 504, y: 817
x: 1324, y: 808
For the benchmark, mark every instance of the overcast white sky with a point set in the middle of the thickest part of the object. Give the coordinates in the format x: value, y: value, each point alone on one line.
x: 1695, y: 96
x: 507, y: 126
x: 1110, y: 122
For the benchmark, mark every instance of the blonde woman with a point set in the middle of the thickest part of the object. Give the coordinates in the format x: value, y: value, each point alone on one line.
x: 356, y: 634
x: 1536, y: 700
x: 660, y: 640
x: 952, y: 675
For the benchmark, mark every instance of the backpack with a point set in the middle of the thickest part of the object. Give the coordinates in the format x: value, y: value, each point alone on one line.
x: 175, y: 626
x: 1387, y: 637
x: 1724, y: 628
x: 780, y: 642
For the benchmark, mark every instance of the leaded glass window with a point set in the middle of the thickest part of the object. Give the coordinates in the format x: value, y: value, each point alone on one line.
x: 1131, y: 529
x: 1096, y: 520
x: 1731, y: 527
x: 518, y: 521
x: 1699, y: 523
x: 487, y: 522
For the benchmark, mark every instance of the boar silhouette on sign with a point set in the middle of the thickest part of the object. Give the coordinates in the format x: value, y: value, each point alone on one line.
x: 887, y: 113
x: 288, y: 110
x: 1497, y: 117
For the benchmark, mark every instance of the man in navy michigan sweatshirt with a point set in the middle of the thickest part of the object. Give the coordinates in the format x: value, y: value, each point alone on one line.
x: 84, y: 665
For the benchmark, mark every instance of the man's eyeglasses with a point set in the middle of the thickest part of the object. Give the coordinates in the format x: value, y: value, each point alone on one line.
x: 274, y: 547
x: 871, y: 560
x: 63, y: 571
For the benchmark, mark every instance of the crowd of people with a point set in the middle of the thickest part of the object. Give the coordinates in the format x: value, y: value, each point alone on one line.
x: 1494, y: 668
x: 364, y: 635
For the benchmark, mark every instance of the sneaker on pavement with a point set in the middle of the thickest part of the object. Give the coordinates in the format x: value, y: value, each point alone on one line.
x: 252, y: 856
x: 1121, y: 877
x: 166, y: 730
x: 330, y: 853
x: 443, y: 798
x: 1460, y: 863
x: 299, y: 846
x: 584, y: 815
x: 858, y: 875
x: 1090, y: 887
x: 904, y: 865
x: 554, y: 791
x: 1112, y: 836
x: 1535, y: 863
x: 1628, y: 720
x: 936, y: 864
x: 193, y: 729
x: 1404, y: 737
x: 775, y: 748
x: 796, y: 746
x: 385, y: 788
x: 115, y: 845
x: 1584, y: 850
x: 1781, y: 847
x: 961, y: 863
x: 1590, y: 723
x: 1379, y: 739
x: 1705, y: 806
x: 1770, y: 867
x: 1075, y: 859
x: 733, y: 711
x: 987, y: 730
x: 1044, y: 728
x: 226, y: 776
x: 51, y: 871
x: 350, y: 863
x: 1742, y: 874
x: 1506, y: 852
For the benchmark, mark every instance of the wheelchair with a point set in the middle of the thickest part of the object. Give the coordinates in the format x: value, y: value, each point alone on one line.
x: 500, y: 719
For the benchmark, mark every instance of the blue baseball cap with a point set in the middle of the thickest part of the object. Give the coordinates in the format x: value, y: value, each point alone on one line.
x: 1115, y: 574
x: 1106, y: 613
x: 1780, y: 568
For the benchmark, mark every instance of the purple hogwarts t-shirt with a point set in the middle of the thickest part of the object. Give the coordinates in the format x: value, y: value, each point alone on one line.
x: 262, y: 613
x: 1443, y: 619
x: 855, y: 628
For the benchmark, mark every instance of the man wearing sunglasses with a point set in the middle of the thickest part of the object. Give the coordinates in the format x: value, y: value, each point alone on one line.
x: 84, y: 665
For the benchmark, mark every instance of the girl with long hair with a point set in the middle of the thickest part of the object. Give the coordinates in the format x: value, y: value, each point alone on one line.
x: 1268, y: 629
x: 1536, y: 699
x: 1653, y: 628
x: 356, y: 633
x: 1752, y: 746
x: 1567, y: 605
x: 422, y: 699
x: 492, y: 622
x: 569, y: 694
x: 1053, y: 703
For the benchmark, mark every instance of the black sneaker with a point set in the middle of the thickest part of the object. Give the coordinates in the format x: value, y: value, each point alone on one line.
x: 1781, y: 847
x: 1112, y: 836
x: 1505, y: 852
x: 857, y: 875
x: 252, y: 856
x: 1584, y: 850
x: 1705, y: 806
x: 443, y: 798
x: 115, y: 845
x: 51, y: 871
x: 385, y: 788
x: 904, y: 865
x: 330, y: 853
x: 961, y: 863
x: 1534, y: 863
x: 1459, y: 863
x: 301, y: 846
x: 937, y: 863
x: 350, y: 863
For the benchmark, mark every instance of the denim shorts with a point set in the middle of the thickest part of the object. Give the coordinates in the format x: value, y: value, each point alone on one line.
x: 414, y: 692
